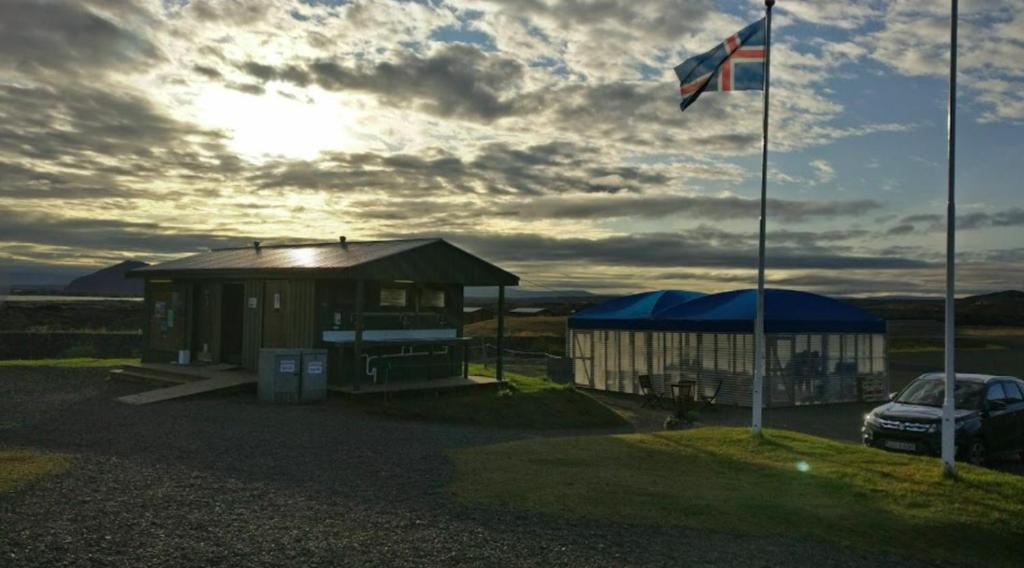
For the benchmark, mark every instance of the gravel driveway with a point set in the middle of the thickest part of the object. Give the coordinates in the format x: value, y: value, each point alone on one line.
x: 226, y: 481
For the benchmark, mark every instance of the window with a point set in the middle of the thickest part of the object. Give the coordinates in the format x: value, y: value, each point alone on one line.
x: 1013, y: 392
x: 393, y: 297
x: 432, y: 298
x: 995, y: 392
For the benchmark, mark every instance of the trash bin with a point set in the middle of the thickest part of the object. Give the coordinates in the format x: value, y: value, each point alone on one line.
x: 280, y: 373
x: 313, y: 385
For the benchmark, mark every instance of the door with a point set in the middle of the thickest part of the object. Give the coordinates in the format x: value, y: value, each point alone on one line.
x: 232, y: 310
x: 583, y: 357
x: 1002, y: 420
x: 1015, y: 405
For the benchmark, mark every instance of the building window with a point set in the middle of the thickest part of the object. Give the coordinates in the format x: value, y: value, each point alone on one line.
x: 432, y: 298
x: 393, y: 297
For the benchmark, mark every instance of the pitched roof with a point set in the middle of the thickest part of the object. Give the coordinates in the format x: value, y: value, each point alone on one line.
x: 341, y: 259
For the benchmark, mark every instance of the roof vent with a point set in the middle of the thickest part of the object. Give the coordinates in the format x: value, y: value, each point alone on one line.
x: 256, y: 245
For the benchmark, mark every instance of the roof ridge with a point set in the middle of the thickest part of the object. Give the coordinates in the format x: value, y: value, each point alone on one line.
x: 329, y: 243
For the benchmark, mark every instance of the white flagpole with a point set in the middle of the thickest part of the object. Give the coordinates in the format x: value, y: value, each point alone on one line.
x: 949, y: 405
x: 759, y: 358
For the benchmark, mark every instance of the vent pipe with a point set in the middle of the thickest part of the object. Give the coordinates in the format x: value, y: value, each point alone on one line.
x: 256, y: 245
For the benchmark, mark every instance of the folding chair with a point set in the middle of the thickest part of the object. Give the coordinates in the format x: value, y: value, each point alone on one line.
x: 647, y: 389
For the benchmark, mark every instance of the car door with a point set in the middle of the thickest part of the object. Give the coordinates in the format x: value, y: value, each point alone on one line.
x: 1001, y: 420
x: 1015, y: 404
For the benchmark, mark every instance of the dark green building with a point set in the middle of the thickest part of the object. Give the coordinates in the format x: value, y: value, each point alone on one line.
x: 386, y: 311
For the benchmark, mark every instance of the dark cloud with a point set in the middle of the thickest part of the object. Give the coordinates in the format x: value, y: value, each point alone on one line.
x: 669, y: 19
x: 457, y: 80
x: 700, y: 207
x: 85, y: 237
x: 78, y: 141
x: 208, y: 72
x: 904, y: 229
x: 69, y: 38
x: 691, y: 249
x: 497, y: 169
x: 1013, y: 217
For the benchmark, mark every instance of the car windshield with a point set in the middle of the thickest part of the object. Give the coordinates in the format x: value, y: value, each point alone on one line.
x: 931, y: 391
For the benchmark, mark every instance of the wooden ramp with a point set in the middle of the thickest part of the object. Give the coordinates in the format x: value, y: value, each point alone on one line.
x: 187, y: 381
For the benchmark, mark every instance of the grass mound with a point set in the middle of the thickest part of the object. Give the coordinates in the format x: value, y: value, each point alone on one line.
x: 787, y: 484
x: 531, y: 403
x: 21, y: 466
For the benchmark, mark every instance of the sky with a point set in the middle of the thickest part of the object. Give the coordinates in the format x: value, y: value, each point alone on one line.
x: 544, y: 136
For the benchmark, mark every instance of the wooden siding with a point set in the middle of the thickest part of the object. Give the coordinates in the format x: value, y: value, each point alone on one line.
x: 252, y: 324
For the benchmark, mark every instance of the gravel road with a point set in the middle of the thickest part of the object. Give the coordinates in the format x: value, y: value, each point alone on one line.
x: 226, y: 481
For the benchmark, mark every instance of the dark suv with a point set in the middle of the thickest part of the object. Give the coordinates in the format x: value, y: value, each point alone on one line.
x: 989, y: 417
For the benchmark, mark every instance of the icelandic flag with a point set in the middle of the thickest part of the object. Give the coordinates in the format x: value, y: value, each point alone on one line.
x: 736, y: 64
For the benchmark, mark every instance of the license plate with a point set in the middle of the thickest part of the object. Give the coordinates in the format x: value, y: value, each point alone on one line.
x: 901, y: 446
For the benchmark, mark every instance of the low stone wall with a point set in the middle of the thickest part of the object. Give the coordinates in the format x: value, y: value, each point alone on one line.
x: 50, y: 344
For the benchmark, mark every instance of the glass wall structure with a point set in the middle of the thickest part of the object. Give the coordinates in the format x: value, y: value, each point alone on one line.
x: 809, y: 368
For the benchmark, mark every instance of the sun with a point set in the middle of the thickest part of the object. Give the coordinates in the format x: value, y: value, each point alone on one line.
x: 273, y: 125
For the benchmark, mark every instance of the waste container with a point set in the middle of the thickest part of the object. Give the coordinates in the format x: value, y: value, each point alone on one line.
x: 280, y: 373
x: 313, y: 385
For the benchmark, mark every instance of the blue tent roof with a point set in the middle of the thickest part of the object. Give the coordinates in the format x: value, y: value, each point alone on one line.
x: 630, y: 312
x: 786, y: 311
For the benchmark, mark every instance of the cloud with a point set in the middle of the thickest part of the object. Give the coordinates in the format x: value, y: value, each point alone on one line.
x: 692, y: 206
x: 1012, y: 217
x: 823, y: 171
x: 70, y: 38
x: 698, y: 248
x: 455, y: 80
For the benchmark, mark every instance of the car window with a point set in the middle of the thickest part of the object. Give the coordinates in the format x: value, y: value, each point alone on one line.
x: 930, y: 391
x: 1013, y: 392
x: 995, y: 392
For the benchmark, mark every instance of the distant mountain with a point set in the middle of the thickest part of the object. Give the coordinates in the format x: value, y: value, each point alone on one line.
x: 998, y: 297
x: 110, y: 281
x: 489, y: 293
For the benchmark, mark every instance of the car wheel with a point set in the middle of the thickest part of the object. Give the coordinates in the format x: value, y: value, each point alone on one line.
x: 976, y: 453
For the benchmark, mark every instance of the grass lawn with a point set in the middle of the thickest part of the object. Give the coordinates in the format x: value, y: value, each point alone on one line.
x: 788, y: 484
x: 79, y: 362
x: 20, y: 466
x: 531, y: 403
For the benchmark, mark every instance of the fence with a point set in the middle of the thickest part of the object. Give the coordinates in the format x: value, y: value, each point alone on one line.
x: 553, y: 367
x: 801, y: 368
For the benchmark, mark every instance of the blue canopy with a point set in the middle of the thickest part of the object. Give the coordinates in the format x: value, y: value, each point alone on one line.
x: 630, y: 312
x: 786, y: 311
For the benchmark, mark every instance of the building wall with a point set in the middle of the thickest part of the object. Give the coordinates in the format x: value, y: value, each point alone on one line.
x: 336, y: 310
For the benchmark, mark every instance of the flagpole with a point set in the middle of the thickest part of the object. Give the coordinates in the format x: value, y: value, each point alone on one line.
x: 759, y: 346
x: 949, y: 405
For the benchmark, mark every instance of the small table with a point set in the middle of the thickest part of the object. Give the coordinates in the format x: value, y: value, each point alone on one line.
x: 683, y: 393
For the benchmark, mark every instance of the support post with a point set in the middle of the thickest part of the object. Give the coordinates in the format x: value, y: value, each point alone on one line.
x: 949, y: 404
x: 357, y: 345
x: 499, y: 367
x: 758, y: 388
